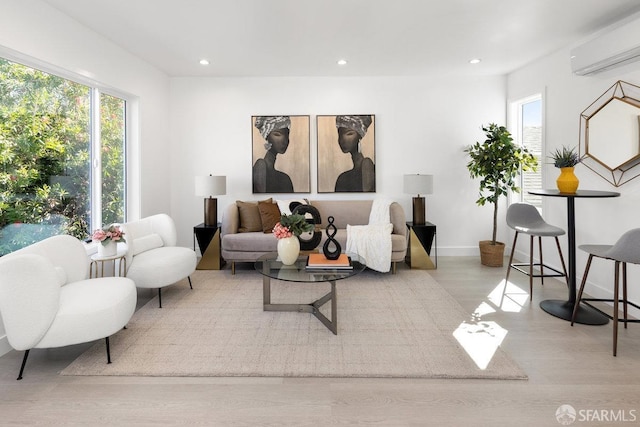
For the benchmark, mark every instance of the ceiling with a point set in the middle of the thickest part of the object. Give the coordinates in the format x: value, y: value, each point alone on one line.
x: 376, y: 37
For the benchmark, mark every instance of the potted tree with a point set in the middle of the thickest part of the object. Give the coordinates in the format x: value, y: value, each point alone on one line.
x: 497, y: 162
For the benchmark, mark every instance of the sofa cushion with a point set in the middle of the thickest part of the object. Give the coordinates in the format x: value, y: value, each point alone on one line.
x: 269, y: 215
x: 249, y: 216
x: 250, y: 242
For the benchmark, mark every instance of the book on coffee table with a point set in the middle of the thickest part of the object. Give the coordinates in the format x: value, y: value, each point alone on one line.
x: 320, y: 262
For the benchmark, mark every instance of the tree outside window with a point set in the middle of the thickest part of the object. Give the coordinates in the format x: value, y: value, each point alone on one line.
x: 46, y: 157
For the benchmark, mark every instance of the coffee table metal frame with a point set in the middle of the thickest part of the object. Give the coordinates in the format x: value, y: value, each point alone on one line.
x: 272, y: 268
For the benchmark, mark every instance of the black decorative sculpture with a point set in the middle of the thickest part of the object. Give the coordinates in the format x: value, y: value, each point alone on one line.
x: 309, y: 244
x: 331, y: 231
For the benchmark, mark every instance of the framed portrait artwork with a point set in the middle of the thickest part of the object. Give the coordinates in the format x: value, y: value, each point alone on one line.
x: 346, y: 153
x: 280, y: 154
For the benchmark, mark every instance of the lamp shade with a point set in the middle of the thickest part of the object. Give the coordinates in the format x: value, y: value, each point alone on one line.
x: 418, y: 184
x: 209, y: 185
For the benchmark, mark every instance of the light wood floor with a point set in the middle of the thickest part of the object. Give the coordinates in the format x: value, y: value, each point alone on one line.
x: 565, y: 365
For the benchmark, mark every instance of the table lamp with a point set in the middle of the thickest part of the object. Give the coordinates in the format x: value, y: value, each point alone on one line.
x: 209, y: 186
x: 418, y: 184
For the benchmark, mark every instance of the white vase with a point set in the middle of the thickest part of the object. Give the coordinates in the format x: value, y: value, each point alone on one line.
x: 288, y: 250
x: 110, y: 249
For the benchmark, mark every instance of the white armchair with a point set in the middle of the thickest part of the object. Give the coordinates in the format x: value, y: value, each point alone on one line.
x: 47, y: 301
x: 153, y: 259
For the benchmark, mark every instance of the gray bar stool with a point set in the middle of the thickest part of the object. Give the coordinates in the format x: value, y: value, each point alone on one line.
x: 625, y: 250
x: 525, y: 218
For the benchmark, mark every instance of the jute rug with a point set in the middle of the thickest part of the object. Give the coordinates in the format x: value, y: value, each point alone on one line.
x: 400, y: 325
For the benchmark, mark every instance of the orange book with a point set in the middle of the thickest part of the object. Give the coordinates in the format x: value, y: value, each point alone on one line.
x: 320, y: 261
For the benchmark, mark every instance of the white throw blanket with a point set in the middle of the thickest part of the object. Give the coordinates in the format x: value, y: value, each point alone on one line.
x: 373, y: 241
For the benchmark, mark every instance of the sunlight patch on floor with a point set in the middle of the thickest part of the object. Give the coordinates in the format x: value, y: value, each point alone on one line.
x: 480, y: 340
x: 483, y: 309
x: 508, y: 297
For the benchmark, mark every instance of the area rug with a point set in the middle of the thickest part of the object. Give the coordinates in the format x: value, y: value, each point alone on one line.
x: 400, y: 325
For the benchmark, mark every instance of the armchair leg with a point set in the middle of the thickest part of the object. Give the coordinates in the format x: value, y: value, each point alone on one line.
x: 24, y: 362
x: 189, y: 277
x: 160, y: 297
x: 108, y: 351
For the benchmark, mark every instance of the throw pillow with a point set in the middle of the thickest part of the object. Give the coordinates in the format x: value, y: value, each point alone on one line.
x: 249, y: 216
x: 287, y: 206
x: 269, y: 215
x: 146, y: 243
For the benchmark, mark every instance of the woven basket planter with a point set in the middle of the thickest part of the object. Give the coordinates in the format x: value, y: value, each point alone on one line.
x: 491, y: 255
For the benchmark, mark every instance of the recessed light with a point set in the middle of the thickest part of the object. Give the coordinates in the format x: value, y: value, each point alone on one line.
x: 204, y: 62
x: 342, y: 62
x: 475, y: 61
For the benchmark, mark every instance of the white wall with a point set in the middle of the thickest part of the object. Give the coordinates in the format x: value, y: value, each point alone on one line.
x: 422, y: 126
x: 597, y: 220
x: 34, y: 33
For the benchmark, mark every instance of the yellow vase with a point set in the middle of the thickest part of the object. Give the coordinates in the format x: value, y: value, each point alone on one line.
x: 567, y: 182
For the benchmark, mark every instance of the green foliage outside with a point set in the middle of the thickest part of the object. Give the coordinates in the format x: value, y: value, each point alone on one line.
x: 45, y: 157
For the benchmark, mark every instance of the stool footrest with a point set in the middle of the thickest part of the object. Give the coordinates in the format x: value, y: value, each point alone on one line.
x: 517, y: 266
x: 586, y: 301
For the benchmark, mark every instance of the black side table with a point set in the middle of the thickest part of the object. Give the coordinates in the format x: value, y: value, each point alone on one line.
x: 208, y: 237
x: 422, y: 239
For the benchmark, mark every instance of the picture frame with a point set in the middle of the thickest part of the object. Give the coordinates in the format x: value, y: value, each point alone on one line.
x: 279, y: 166
x: 340, y: 138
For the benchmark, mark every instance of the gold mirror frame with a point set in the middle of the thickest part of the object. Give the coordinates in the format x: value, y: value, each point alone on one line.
x: 618, y: 119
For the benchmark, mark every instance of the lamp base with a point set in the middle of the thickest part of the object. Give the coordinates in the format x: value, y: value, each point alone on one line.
x: 211, y: 212
x: 419, y: 217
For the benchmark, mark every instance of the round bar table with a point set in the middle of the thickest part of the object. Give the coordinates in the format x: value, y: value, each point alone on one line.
x: 564, y: 309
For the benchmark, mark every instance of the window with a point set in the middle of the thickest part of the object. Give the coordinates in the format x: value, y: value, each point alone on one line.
x: 529, y: 134
x: 62, y: 157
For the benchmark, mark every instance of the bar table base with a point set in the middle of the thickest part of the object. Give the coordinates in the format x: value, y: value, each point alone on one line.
x: 564, y: 310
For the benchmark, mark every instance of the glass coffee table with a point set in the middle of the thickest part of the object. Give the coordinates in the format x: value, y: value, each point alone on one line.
x: 272, y: 268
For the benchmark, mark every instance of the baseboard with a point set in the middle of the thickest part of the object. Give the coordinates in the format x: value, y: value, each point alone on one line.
x: 458, y: 251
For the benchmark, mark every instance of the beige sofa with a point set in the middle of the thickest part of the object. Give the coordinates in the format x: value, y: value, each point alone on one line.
x: 248, y: 246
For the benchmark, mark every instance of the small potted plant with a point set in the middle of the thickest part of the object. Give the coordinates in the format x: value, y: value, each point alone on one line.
x: 497, y: 162
x: 566, y: 159
x: 287, y: 232
x: 107, y: 238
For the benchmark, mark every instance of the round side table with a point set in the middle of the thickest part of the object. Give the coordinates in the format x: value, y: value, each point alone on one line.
x: 96, y: 259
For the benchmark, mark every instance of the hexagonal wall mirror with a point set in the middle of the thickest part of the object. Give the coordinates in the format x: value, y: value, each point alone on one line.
x: 610, y: 134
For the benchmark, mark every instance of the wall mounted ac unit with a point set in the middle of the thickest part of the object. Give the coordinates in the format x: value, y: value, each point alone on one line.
x: 612, y: 49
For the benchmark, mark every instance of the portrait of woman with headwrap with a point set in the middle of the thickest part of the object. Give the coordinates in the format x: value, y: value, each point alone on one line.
x: 340, y: 135
x: 275, y: 133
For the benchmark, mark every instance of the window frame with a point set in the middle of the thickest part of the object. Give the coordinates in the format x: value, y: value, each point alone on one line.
x: 515, y: 118
x: 96, y: 89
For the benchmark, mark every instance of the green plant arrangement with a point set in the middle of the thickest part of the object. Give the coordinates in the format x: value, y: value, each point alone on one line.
x: 565, y: 157
x: 497, y: 162
x: 291, y: 225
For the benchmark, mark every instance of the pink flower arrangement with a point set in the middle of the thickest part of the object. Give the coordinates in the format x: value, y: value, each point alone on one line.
x: 106, y: 235
x: 291, y: 225
x: 281, y: 232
